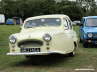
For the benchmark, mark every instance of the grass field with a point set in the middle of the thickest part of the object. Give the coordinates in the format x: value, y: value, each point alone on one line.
x: 85, y: 57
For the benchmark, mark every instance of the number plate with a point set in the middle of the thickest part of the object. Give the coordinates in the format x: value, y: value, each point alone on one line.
x: 30, y: 49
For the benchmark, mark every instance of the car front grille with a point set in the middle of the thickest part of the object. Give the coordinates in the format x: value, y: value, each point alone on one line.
x: 30, y: 44
x: 94, y: 35
x: 92, y: 39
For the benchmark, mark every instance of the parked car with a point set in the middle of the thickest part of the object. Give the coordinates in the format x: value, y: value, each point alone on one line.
x: 2, y: 18
x: 88, y: 30
x: 42, y: 35
x: 10, y: 21
x: 14, y: 20
x: 17, y: 20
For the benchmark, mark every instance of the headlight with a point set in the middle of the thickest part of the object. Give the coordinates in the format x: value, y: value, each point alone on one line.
x: 90, y: 35
x: 47, y: 37
x: 12, y: 39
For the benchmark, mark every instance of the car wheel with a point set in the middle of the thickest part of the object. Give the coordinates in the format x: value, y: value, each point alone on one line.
x: 72, y: 54
x: 85, y: 45
x: 80, y: 40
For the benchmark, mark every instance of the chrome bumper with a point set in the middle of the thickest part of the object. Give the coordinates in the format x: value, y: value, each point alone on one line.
x: 34, y: 53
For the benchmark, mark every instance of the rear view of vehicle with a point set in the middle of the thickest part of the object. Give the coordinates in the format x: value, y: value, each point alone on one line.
x: 10, y: 22
x: 88, y: 30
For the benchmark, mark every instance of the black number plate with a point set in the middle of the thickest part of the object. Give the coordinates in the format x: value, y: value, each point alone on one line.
x: 30, y: 49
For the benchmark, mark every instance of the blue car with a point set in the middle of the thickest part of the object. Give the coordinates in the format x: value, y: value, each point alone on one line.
x: 88, y: 30
x: 10, y: 22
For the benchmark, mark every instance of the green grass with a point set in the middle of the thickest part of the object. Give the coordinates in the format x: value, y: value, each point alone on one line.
x: 85, y: 57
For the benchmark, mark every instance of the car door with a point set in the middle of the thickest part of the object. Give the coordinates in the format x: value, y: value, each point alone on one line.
x: 68, y: 33
x: 72, y: 32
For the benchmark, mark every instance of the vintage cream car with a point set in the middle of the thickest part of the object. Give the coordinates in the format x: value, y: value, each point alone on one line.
x: 43, y: 35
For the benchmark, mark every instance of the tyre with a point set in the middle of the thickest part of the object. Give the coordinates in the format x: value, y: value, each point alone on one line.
x: 80, y: 40
x: 72, y: 54
x: 85, y: 45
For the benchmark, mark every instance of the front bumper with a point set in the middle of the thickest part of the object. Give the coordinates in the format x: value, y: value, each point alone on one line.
x: 93, y: 41
x: 35, y: 53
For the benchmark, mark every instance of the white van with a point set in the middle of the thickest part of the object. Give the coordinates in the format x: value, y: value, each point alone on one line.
x: 2, y: 19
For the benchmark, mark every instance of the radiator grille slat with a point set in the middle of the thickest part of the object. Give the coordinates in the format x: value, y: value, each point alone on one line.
x: 30, y: 44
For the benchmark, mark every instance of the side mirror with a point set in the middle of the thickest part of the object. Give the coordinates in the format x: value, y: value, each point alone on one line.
x: 73, y: 23
x: 76, y: 23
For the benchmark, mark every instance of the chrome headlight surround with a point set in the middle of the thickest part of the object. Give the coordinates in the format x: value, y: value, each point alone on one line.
x: 12, y: 39
x: 47, y: 37
x: 90, y: 35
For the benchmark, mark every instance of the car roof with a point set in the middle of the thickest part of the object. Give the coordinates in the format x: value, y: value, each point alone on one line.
x: 47, y: 16
x: 90, y: 17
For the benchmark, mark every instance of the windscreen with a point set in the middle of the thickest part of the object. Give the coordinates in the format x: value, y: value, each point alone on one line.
x: 91, y: 22
x: 43, y: 22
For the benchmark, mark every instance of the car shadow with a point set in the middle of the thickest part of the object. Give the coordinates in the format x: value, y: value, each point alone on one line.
x: 89, y: 45
x: 47, y: 60
x: 92, y: 46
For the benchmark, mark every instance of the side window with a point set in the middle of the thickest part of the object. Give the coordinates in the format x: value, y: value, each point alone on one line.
x: 65, y: 22
x: 70, y: 24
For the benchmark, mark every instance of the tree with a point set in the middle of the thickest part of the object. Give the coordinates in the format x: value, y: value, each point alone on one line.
x: 70, y: 8
x: 87, y: 6
x: 29, y: 8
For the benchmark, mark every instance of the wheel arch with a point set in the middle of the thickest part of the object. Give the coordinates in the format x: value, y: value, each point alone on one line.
x: 75, y: 44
